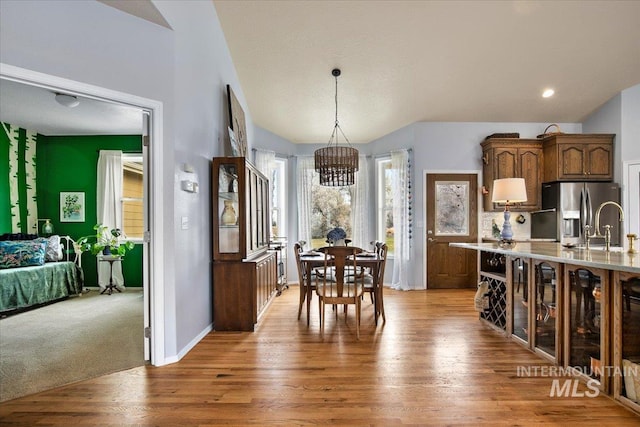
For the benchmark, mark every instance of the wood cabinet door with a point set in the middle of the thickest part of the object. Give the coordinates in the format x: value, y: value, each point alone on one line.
x: 487, y: 178
x: 512, y: 158
x: 598, y: 158
x: 572, y: 161
x: 530, y: 168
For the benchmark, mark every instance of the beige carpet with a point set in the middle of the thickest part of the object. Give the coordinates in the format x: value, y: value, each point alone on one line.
x: 79, y: 338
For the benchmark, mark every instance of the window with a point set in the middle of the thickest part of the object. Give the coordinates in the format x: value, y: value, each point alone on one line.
x: 278, y: 180
x: 384, y: 203
x: 331, y: 207
x: 132, y: 196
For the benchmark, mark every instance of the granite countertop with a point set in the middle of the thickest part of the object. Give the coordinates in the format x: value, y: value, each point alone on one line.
x: 596, y: 257
x: 497, y: 239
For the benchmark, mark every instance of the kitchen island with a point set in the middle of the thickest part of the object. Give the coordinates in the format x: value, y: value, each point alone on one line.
x: 577, y: 308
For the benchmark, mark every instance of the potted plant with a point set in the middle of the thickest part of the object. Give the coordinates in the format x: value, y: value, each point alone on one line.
x: 105, y: 241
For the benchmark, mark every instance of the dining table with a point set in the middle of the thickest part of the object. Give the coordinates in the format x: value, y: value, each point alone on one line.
x: 371, y: 260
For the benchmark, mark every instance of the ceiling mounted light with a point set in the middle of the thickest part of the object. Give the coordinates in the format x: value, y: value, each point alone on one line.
x: 336, y: 165
x: 67, y: 100
x: 548, y: 93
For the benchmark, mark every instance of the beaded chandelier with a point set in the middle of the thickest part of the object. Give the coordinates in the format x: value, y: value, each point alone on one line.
x: 337, y: 165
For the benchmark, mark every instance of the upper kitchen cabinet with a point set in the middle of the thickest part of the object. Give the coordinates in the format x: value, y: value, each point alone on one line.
x: 578, y: 157
x: 512, y: 158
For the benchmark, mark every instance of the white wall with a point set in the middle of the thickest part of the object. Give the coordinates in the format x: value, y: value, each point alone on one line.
x: 186, y: 69
x: 631, y: 123
x: 202, y: 69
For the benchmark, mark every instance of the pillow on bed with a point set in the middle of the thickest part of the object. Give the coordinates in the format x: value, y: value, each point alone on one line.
x: 22, y: 253
x: 54, y: 249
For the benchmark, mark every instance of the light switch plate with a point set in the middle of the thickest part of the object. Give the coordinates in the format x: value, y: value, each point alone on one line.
x: 184, y: 223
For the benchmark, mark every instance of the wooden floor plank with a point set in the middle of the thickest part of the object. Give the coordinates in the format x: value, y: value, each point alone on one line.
x: 432, y: 363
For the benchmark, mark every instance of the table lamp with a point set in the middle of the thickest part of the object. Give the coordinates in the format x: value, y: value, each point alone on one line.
x: 508, y: 191
x: 47, y: 227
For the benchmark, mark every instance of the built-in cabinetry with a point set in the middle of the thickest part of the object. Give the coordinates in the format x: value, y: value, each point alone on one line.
x: 524, y: 297
x: 578, y: 309
x: 578, y: 157
x: 512, y: 158
x: 244, y: 271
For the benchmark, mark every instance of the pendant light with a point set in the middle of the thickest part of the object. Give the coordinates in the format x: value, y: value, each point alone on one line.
x: 337, y: 165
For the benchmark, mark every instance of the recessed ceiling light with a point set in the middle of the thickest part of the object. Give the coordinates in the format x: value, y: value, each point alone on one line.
x: 67, y: 100
x: 548, y: 93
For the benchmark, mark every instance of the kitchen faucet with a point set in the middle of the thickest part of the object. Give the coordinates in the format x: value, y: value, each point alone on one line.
x: 607, y: 227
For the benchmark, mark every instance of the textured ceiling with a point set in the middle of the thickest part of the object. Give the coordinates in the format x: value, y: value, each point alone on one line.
x: 409, y: 61
x: 402, y: 62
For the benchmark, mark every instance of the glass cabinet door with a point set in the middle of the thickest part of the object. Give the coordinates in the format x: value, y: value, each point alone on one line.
x: 629, y: 351
x: 587, y: 316
x: 520, y: 283
x: 228, y: 209
x: 545, y: 315
x: 241, y: 209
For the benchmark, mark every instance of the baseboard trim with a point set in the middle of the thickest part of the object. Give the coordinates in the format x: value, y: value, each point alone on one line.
x: 186, y: 349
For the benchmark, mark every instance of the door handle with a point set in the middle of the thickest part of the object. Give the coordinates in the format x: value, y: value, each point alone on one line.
x: 430, y: 239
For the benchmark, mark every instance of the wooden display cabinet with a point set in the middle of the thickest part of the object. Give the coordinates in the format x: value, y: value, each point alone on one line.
x: 578, y: 157
x: 512, y: 158
x: 244, y: 271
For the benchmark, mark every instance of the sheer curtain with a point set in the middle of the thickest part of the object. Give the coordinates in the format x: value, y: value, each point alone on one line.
x: 401, y: 218
x: 109, y: 212
x: 360, y: 207
x: 264, y: 162
x: 306, y: 169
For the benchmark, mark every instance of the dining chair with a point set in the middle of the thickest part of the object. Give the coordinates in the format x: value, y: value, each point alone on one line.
x: 339, y: 291
x: 371, y: 286
x: 303, y: 280
x: 368, y: 272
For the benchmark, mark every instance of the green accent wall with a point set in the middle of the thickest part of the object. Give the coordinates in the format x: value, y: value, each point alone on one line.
x: 68, y: 163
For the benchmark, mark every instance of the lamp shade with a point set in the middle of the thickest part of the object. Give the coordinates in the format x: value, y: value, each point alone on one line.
x: 509, y: 190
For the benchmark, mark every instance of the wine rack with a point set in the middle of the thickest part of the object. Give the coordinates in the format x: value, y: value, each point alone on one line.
x: 496, y: 314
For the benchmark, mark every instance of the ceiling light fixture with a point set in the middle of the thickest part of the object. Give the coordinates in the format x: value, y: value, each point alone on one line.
x: 336, y: 165
x: 548, y: 93
x: 67, y: 100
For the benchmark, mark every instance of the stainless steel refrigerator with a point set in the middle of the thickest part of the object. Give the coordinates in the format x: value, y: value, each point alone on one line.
x: 568, y: 206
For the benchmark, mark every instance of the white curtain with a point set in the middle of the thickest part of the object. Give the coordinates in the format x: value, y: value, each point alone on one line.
x: 109, y: 212
x: 306, y: 169
x: 265, y: 162
x: 401, y: 218
x: 360, y: 206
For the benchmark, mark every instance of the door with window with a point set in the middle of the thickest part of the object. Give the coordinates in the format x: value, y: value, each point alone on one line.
x: 452, y: 216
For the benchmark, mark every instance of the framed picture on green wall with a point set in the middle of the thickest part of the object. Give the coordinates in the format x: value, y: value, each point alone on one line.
x: 71, y: 206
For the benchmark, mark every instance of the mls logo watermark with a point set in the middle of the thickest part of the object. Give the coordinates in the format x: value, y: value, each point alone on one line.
x: 564, y: 383
x: 569, y: 388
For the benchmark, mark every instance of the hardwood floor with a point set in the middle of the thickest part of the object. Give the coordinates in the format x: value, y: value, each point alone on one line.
x: 432, y: 363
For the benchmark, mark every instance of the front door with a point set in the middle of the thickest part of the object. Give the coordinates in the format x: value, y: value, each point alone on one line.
x: 452, y: 216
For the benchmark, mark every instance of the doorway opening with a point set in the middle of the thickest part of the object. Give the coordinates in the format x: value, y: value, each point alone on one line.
x: 151, y: 126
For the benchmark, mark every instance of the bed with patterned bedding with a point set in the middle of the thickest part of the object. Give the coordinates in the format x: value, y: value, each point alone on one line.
x: 34, y: 272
